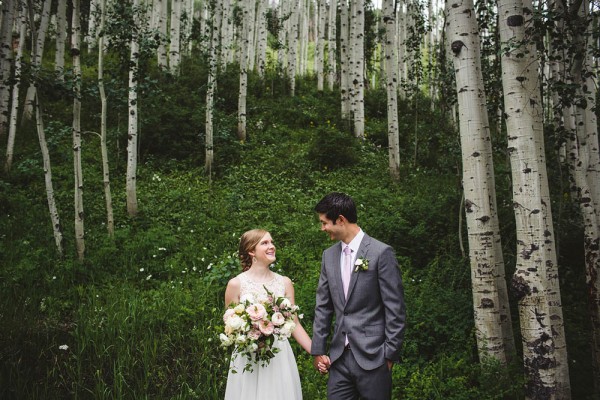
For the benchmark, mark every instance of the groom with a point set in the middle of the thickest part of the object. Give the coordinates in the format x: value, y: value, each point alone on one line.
x: 360, y: 285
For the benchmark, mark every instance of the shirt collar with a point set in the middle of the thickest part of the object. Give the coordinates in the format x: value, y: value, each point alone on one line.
x: 355, y: 243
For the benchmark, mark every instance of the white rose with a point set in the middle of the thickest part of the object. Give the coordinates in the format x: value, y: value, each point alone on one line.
x: 228, y: 313
x: 239, y: 309
x: 234, y: 322
x: 277, y: 319
x: 287, y: 329
x: 240, y: 339
x: 285, y: 303
x: 225, y: 340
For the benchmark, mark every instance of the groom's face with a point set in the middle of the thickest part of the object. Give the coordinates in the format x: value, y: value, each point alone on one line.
x: 328, y: 226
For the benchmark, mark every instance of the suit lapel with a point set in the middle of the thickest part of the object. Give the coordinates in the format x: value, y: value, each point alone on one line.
x: 337, y: 271
x: 363, y: 249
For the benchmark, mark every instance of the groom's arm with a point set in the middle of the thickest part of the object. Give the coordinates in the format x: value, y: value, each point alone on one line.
x: 392, y: 295
x: 323, y: 314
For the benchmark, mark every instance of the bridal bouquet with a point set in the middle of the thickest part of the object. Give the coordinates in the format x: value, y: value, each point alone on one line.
x: 252, y: 326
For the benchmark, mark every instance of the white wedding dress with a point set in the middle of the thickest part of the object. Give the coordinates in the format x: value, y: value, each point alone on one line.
x: 279, y: 380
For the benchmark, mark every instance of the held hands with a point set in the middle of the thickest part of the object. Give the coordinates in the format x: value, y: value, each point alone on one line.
x: 322, y: 363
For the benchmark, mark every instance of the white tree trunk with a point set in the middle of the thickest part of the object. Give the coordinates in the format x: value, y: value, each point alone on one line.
x: 332, y: 44
x: 251, y: 33
x: 535, y: 281
x: 493, y: 328
x: 77, y: 170
x: 345, y: 59
x: 215, y: 23
x: 174, y: 37
x: 12, y: 129
x: 402, y: 48
x: 61, y: 38
x: 132, y: 126
x: 227, y: 31
x: 91, y: 37
x: 319, y: 56
x: 110, y: 221
x: 292, y: 36
x: 389, y: 19
x: 357, y: 68
x: 36, y: 57
x: 261, y: 37
x: 54, y: 217
x: 583, y: 156
x: 247, y: 20
x: 161, y: 25
x: 9, y: 11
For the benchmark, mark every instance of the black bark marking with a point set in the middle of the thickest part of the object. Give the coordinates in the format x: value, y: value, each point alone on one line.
x: 515, y: 20
x: 519, y: 287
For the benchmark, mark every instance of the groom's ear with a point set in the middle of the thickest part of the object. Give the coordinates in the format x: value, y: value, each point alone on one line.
x: 341, y: 219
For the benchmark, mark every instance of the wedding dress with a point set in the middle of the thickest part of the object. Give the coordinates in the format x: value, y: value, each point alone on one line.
x: 279, y: 380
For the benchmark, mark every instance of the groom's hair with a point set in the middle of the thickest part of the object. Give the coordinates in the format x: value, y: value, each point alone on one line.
x: 335, y: 204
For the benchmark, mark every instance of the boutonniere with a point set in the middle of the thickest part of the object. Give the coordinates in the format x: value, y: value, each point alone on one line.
x: 361, y: 264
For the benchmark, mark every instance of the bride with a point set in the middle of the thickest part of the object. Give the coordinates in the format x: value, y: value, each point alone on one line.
x: 279, y: 379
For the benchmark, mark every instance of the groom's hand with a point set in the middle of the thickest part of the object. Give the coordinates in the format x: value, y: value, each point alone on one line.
x: 321, y: 363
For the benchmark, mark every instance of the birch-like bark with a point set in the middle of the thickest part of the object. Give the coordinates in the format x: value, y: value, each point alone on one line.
x: 319, y: 60
x: 535, y: 281
x: 161, y: 25
x: 250, y: 34
x: 390, y: 61
x: 345, y: 60
x: 357, y: 67
x: 91, y: 36
x: 332, y: 44
x: 132, y: 126
x: 293, y: 46
x: 54, y: 217
x: 261, y: 37
x: 584, y: 165
x: 402, y: 48
x: 9, y: 10
x: 243, y: 89
x: 12, y: 128
x: 77, y: 170
x: 493, y: 328
x: 110, y: 221
x: 282, y: 10
x: 174, y: 37
x: 215, y: 23
x: 61, y: 38
x: 36, y: 56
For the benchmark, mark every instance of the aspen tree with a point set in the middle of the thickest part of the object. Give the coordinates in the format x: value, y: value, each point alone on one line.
x: 36, y: 57
x: 261, y: 37
x: 344, y: 59
x: 535, y: 281
x: 292, y: 36
x: 110, y: 221
x: 319, y: 56
x: 493, y: 328
x: 161, y: 7
x: 243, y: 88
x: 583, y: 159
x: 332, y: 44
x: 78, y: 172
x: 174, y: 37
x: 9, y: 10
x: 250, y: 34
x: 215, y: 21
x: 357, y: 51
x: 132, y: 125
x: 61, y: 38
x: 389, y: 19
x: 12, y: 128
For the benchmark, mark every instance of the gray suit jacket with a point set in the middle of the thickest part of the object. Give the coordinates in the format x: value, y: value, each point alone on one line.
x: 374, y: 314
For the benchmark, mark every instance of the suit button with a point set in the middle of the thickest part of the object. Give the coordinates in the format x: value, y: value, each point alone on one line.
x: 343, y: 332
x: 345, y: 313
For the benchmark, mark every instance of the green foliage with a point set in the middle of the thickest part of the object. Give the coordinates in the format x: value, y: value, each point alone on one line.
x: 331, y: 148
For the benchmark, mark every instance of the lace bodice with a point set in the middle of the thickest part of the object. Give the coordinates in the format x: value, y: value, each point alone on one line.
x: 257, y: 289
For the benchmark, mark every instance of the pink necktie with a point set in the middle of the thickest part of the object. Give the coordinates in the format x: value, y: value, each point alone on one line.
x: 347, y: 269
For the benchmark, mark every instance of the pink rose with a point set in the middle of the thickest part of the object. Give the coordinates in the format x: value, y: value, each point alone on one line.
x: 254, y: 334
x: 256, y: 311
x: 266, y: 327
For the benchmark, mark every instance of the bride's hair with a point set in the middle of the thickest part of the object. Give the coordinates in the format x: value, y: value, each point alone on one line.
x: 248, y: 243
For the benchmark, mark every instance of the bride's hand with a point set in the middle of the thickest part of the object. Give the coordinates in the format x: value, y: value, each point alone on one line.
x: 322, y: 364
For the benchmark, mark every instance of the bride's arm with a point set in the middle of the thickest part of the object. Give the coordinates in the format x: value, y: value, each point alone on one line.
x: 232, y: 292
x: 299, y: 333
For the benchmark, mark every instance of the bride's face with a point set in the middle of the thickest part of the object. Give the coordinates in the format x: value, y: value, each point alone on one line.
x: 265, y: 250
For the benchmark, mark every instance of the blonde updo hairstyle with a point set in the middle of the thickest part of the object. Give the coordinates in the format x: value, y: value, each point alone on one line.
x: 248, y: 243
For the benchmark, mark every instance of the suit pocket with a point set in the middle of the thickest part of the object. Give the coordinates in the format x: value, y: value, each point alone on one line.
x: 374, y: 330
